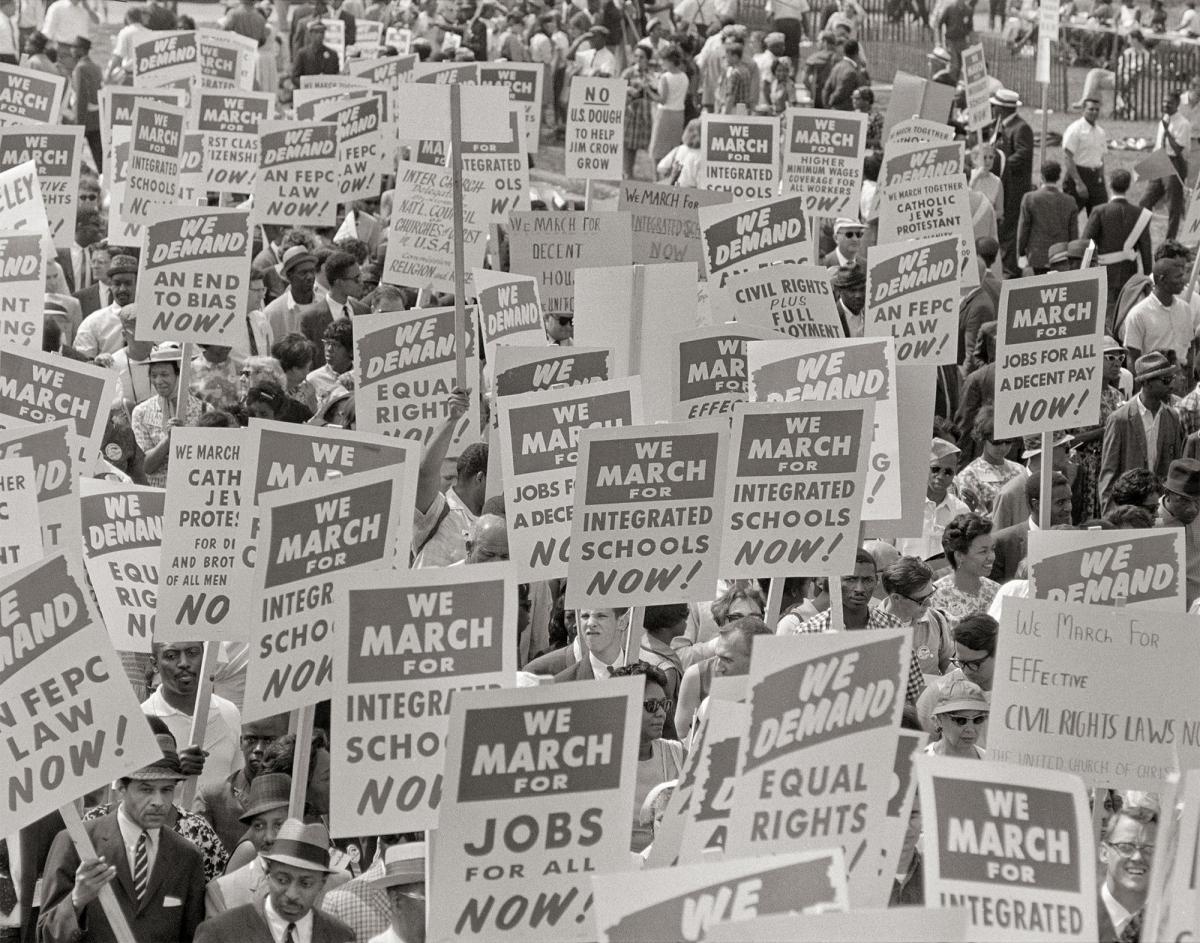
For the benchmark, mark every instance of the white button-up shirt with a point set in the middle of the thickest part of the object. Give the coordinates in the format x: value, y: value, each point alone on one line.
x: 1150, y: 424
x: 1087, y: 143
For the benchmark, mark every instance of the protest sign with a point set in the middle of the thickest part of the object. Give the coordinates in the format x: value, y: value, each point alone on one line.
x: 229, y: 122
x: 975, y: 76
x: 404, y: 372
x: 21, y: 206
x: 360, y: 124
x: 526, y: 369
x: 71, y: 722
x: 539, y: 785
x: 1050, y: 352
x: 1057, y: 665
x: 643, y: 529
x: 194, y: 275
x: 916, y: 389
x: 313, y: 539
x: 551, y: 246
x: 315, y: 89
x: 1135, y: 568
x: 510, y: 311
x: 398, y: 39
x: 918, y: 131
x: 335, y: 38
x: 169, y: 58
x: 36, y: 387
x: 913, y: 296
x: 817, y: 756
x: 22, y: 289
x: 795, y: 487
x: 923, y: 194
x: 707, y: 373
x: 539, y: 443
x: 390, y: 71
x: 669, y: 827
x: 1189, y: 232
x: 1171, y: 900
x: 425, y: 103
x: 882, y: 925
x: 524, y: 83
x: 420, y: 245
x: 204, y: 478
x: 116, y: 109
x: 495, y: 176
x: 155, y: 156
x: 747, y: 236
x: 411, y: 641
x: 227, y: 59
x: 912, y: 96
x: 707, y: 827
x: 19, y: 518
x: 56, y: 154
x: 787, y: 298
x: 877, y: 888
x: 740, y: 155
x: 56, y: 478
x: 666, y: 227
x: 121, y: 230
x: 192, y: 190
x: 594, y: 146
x: 30, y: 96
x: 1012, y: 846
x: 296, y: 183
x: 829, y: 370
x: 122, y: 540
x: 823, y: 159
x: 1048, y: 14
x: 685, y: 903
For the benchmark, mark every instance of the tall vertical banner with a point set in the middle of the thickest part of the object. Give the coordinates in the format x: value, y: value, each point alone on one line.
x: 829, y: 370
x: 795, y: 487
x: 796, y: 300
x: 314, y: 539
x: 740, y: 155
x: 707, y: 374
x: 19, y: 517
x: 1050, y: 352
x: 22, y: 289
x: 551, y: 246
x: 824, y: 710
x: 56, y: 479
x: 1048, y: 15
x: 56, y: 152
x: 1144, y: 569
x: 647, y: 499
x: 539, y: 784
x: 30, y: 96
x: 823, y: 159
x: 229, y: 121
x: 975, y: 76
x: 595, y: 142
x: 1014, y: 846
x: 913, y: 295
x: 539, y: 447
x: 194, y: 275
x: 749, y: 235
x: 296, y: 183
x: 122, y: 544
x: 510, y: 310
x: 524, y: 83
x: 155, y: 159
x: 411, y: 637
x: 69, y: 718
x: 665, y: 225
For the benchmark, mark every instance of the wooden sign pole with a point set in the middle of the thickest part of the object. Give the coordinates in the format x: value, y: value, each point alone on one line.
x: 300, y: 758
x: 87, y: 851
x: 460, y: 275
x: 200, y: 716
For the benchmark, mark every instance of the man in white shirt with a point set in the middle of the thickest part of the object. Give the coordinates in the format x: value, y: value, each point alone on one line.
x: 67, y: 20
x: 1084, y: 146
x: 257, y: 339
x: 1162, y: 320
x: 1173, y: 136
x: 10, y: 33
x: 100, y: 332
x: 941, y: 507
x: 131, y: 364
x: 299, y: 269
x: 1126, y: 855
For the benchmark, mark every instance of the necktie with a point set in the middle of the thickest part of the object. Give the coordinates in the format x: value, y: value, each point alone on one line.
x: 141, y: 866
x: 346, y: 311
x: 8, y: 890
x: 290, y: 936
x: 253, y: 342
x: 85, y: 269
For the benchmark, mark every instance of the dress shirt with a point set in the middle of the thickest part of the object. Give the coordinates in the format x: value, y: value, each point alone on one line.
x: 1087, y: 142
x: 303, y: 927
x: 100, y: 332
x: 1150, y: 424
x: 130, y: 832
x: 1117, y: 913
x: 1181, y: 131
x: 600, y: 669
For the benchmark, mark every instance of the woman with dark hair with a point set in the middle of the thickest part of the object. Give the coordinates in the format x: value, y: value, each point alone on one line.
x: 154, y: 418
x: 296, y: 354
x: 641, y: 94
x: 659, y: 760
x: 967, y: 541
x: 980, y: 482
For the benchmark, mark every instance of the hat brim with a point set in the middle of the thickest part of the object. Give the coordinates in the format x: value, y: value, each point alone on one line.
x: 1003, y: 104
x: 962, y: 704
x: 266, y: 806
x: 1167, y: 371
x: 413, y: 872
x: 294, y: 862
x: 151, y: 775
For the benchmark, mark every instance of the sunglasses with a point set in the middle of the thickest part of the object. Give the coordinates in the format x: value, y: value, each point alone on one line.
x: 1119, y: 358
x: 921, y: 600
x: 563, y: 319
x: 972, y: 664
x: 652, y: 704
x: 978, y: 720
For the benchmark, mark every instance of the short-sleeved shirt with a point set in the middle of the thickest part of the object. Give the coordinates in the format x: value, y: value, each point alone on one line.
x: 67, y: 22
x: 1151, y: 325
x: 449, y: 543
x: 222, y: 736
x: 1088, y: 143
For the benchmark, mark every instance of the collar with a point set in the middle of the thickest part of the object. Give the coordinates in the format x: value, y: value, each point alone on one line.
x: 456, y: 504
x: 279, y: 924
x: 943, y: 503
x: 1118, y: 196
x: 600, y: 669
x: 1116, y: 910
x: 1143, y: 409
x: 130, y: 830
x: 1033, y: 524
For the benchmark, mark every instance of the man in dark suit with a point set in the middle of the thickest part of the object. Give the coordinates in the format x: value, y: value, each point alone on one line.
x: 1047, y: 216
x: 1126, y: 856
x: 1121, y: 232
x: 1012, y: 543
x: 297, y: 869
x: 344, y: 276
x: 1125, y: 443
x: 847, y: 236
x: 75, y: 261
x: 844, y: 79
x: 98, y: 292
x: 1013, y: 139
x: 156, y: 875
x: 601, y: 640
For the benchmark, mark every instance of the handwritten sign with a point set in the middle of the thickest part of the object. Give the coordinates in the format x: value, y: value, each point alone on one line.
x: 551, y: 246
x: 666, y: 227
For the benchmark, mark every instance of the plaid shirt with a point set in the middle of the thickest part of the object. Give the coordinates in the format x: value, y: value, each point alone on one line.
x: 360, y: 904
x: 1189, y: 411
x: 876, y: 619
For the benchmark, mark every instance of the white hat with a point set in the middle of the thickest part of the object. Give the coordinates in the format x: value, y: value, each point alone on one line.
x: 1005, y: 98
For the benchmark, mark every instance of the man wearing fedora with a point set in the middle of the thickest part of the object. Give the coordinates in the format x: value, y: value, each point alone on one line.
x: 157, y: 876
x: 403, y: 881
x: 100, y: 332
x: 1145, y: 432
x: 299, y: 267
x: 265, y: 812
x: 1013, y: 140
x: 362, y: 904
x: 1179, y: 507
x: 297, y: 867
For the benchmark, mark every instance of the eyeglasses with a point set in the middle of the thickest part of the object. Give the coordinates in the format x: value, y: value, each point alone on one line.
x: 851, y: 235
x: 1118, y: 357
x: 250, y: 740
x: 564, y: 320
x: 939, y: 470
x: 921, y: 600
x: 652, y: 704
x: 977, y: 721
x: 1127, y: 849
x: 971, y: 664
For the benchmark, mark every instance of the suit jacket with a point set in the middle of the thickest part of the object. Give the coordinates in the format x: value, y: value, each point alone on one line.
x: 178, y: 874
x: 839, y: 89
x: 554, y: 662
x: 1011, y: 544
x: 89, y: 299
x: 1109, y: 226
x: 1125, y: 446
x: 63, y: 257
x: 314, y: 318
x: 1014, y: 141
x: 580, y: 671
x: 35, y: 843
x: 248, y: 884
x: 1047, y: 216
x: 248, y: 924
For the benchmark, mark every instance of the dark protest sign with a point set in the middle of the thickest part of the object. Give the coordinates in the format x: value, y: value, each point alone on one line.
x: 69, y: 719
x: 795, y: 487
x: 740, y: 155
x: 823, y: 159
x: 788, y: 298
x: 29, y: 96
x: 1013, y: 846
x: 551, y: 246
x: 1134, y: 568
x: 1050, y: 352
x: 538, y: 790
x: 296, y: 183
x: 913, y: 295
x: 646, y: 502
x: 56, y: 479
x: 411, y: 640
x: 666, y: 227
x: 746, y: 236
x: 707, y: 375
x: 229, y: 121
x: 56, y: 151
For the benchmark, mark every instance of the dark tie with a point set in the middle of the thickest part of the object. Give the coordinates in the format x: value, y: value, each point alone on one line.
x: 8, y: 891
x: 290, y: 936
x: 141, y: 866
x: 253, y: 342
x: 1133, y: 929
x: 85, y: 268
x: 346, y: 311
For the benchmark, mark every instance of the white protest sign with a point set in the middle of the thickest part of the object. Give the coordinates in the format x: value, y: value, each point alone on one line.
x: 524, y: 83
x: 913, y: 295
x: 646, y: 499
x: 167, y: 58
x: 526, y: 369
x: 1048, y: 15
x: 116, y: 111
x: 496, y: 176
x: 56, y: 153
x: 595, y: 142
x: 227, y: 59
x: 360, y: 136
x: 1057, y: 665
x: 823, y: 159
x: 1144, y: 569
x: 483, y: 109
x: 707, y: 373
x: 56, y: 480
x: 29, y: 96
x: 707, y: 825
x: 551, y: 246
x: 22, y: 289
x: 122, y: 541
x: 1050, y: 352
x: 975, y: 76
x: 19, y: 517
x: 155, y: 160
x: 510, y: 311
x: 229, y: 122
x: 881, y: 925
x: 748, y: 235
x: 410, y: 642
x: 918, y: 130
x: 21, y: 206
x: 666, y: 227
x: 740, y: 155
x: 788, y: 298
x: 795, y: 487
x: 982, y: 824
x: 828, y: 370
x: 296, y: 184
x: 521, y: 830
